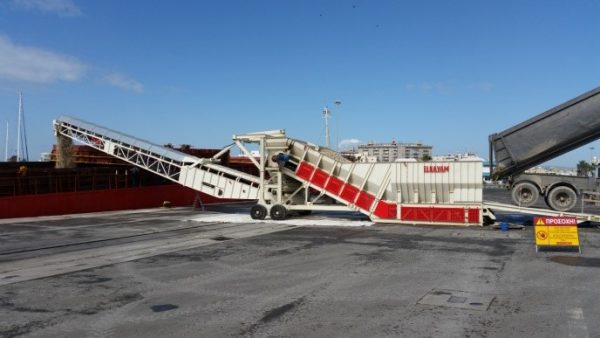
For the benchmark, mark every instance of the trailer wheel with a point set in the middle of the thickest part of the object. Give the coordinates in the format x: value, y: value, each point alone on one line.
x: 258, y: 212
x: 278, y: 212
x: 525, y: 194
x: 562, y: 198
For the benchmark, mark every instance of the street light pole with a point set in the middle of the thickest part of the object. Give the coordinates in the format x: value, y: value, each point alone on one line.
x: 337, y: 103
x: 326, y: 114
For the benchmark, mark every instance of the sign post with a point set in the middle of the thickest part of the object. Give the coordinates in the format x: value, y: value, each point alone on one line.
x: 556, y: 232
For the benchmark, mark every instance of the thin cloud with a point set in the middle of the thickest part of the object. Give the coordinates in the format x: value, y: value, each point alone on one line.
x: 31, y: 64
x: 63, y: 8
x: 483, y: 86
x: 448, y: 88
x: 123, y: 82
x: 348, y: 144
x: 428, y: 87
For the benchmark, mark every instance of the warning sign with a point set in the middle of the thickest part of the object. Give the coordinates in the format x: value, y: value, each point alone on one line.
x: 556, y: 231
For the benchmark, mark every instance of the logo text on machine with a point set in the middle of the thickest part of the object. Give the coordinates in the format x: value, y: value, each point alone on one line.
x: 437, y: 168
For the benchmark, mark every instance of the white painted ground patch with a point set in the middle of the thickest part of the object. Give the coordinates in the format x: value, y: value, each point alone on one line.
x: 304, y: 221
x: 576, y: 323
x: 457, y: 299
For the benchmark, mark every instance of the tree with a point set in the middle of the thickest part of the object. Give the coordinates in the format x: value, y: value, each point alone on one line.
x: 425, y: 158
x: 584, y: 168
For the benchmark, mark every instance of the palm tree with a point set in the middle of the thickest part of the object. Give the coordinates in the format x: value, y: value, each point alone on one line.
x: 584, y: 168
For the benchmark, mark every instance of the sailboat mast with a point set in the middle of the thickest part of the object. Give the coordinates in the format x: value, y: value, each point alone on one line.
x: 6, y: 145
x: 19, y: 129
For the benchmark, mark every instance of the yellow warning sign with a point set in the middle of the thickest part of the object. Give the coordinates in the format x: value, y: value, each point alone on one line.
x: 556, y: 231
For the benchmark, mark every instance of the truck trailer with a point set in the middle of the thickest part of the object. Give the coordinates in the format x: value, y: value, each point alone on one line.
x: 541, y: 138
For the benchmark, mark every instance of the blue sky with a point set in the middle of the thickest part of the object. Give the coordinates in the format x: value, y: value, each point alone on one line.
x: 447, y: 73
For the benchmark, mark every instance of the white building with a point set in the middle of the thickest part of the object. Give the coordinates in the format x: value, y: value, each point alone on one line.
x: 390, y: 152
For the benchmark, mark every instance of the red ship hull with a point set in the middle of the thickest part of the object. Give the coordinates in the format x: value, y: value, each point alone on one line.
x: 98, y: 183
x: 101, y: 200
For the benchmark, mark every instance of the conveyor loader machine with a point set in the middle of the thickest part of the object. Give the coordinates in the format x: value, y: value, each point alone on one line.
x: 298, y: 177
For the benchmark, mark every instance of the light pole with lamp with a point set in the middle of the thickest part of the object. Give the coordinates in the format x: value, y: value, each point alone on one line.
x: 337, y: 103
x: 326, y: 114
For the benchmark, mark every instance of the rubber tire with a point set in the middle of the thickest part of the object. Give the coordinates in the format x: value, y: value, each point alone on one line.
x: 528, y: 190
x: 278, y: 212
x: 562, y: 198
x: 258, y: 212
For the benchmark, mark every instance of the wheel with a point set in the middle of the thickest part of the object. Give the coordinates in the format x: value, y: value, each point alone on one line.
x: 525, y: 194
x: 562, y: 198
x: 258, y: 212
x: 278, y: 212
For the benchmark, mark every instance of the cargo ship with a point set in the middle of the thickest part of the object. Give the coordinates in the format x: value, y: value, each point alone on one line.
x: 97, y: 182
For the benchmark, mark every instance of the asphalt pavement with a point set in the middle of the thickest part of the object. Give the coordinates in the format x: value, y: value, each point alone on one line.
x: 350, y: 280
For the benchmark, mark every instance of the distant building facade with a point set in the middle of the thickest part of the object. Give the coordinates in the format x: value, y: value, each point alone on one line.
x: 390, y: 152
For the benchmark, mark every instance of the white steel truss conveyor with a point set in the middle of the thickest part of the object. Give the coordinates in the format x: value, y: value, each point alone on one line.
x: 190, y: 171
